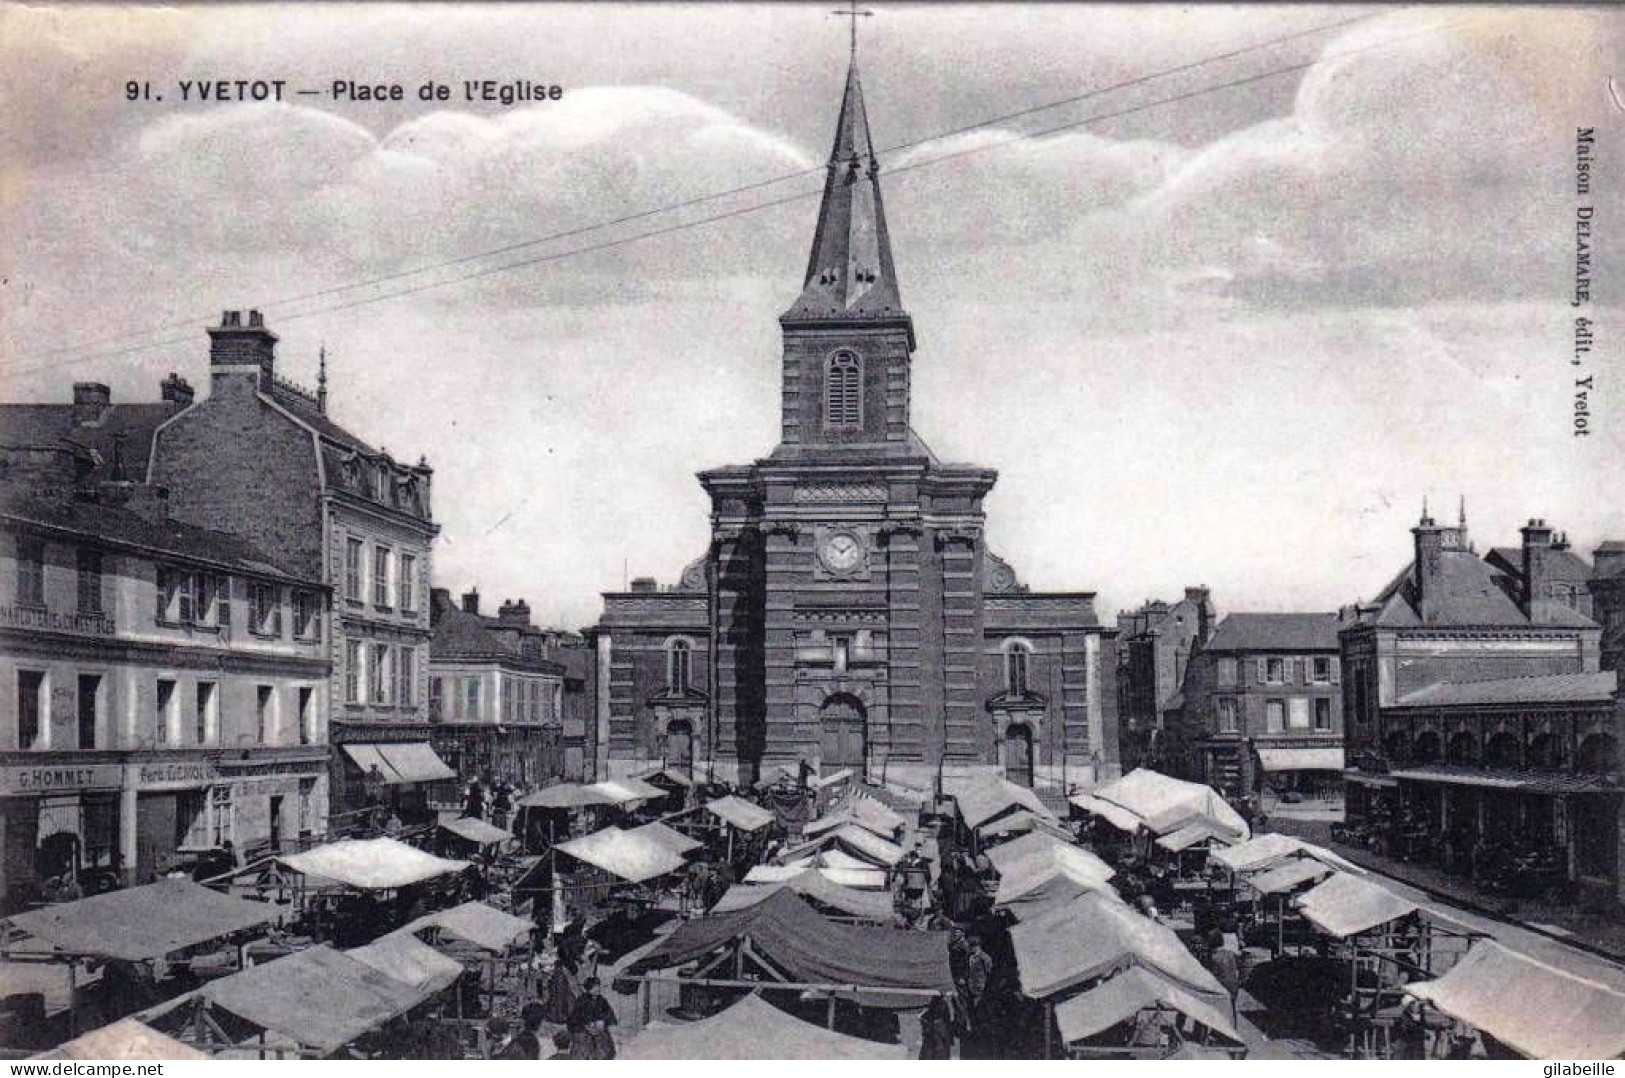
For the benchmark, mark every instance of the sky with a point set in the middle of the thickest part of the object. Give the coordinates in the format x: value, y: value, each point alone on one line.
x: 1232, y: 339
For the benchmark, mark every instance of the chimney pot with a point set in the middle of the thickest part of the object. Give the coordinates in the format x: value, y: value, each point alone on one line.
x: 471, y: 601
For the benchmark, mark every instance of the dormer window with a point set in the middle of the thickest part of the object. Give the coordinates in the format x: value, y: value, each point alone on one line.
x: 843, y: 392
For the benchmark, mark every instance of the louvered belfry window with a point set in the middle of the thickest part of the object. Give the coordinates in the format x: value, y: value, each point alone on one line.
x: 843, y: 389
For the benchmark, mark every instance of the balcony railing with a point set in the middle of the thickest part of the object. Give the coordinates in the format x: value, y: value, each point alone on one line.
x: 38, y: 617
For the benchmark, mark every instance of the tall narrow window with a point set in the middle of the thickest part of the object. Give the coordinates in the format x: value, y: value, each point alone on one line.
x: 262, y: 714
x: 90, y: 693
x: 90, y: 581
x: 380, y: 688
x: 380, y: 576
x: 1016, y: 659
x: 1274, y: 716
x: 352, y: 569
x: 207, y: 717
x: 30, y: 571
x: 353, y: 673
x: 843, y: 391
x: 30, y: 709
x: 307, y: 715
x: 408, y: 594
x: 437, y: 696
x: 166, y: 712
x: 406, y: 675
x: 679, y: 666
x: 1227, y: 714
x: 471, y: 698
x: 1323, y: 713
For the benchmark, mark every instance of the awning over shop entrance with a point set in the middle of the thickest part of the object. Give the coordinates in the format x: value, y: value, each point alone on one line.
x: 401, y: 763
x: 1302, y: 759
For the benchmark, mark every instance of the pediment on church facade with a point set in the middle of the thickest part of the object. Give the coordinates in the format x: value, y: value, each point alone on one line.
x: 997, y: 574
x: 678, y: 698
x: 1029, y: 701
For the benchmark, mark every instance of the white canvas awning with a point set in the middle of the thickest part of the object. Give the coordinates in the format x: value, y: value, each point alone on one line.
x: 476, y: 831
x: 1116, y: 815
x: 371, y: 864
x: 627, y: 854
x: 1345, y: 906
x: 736, y: 812
x: 1125, y: 995
x: 400, y: 763
x: 1539, y: 1010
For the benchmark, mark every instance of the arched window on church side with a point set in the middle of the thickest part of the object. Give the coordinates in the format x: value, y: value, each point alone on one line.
x: 843, y: 391
x: 679, y: 666
x: 1017, y: 657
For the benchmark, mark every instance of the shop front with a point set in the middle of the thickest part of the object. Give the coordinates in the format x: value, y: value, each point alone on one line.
x: 59, y: 822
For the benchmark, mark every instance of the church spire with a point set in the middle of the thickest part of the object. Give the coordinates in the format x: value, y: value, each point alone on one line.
x: 850, y: 273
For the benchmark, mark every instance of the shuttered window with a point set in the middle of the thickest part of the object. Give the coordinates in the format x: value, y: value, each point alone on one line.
x: 843, y: 405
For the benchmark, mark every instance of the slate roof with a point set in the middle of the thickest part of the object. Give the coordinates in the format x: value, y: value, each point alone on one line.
x: 1276, y: 632
x: 54, y: 424
x: 461, y: 636
x: 308, y: 413
x: 1536, y: 689
x: 1561, y: 564
x: 113, y: 524
x: 1466, y: 595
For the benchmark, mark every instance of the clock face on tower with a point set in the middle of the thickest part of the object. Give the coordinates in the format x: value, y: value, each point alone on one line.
x: 842, y: 552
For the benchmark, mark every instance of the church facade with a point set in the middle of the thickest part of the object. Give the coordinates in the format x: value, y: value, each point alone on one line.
x: 848, y: 612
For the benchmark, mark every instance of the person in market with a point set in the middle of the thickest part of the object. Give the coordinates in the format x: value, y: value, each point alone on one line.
x: 474, y: 802
x: 501, y: 805
x: 1225, y: 958
x: 936, y: 1030
x: 496, y: 1036
x: 978, y: 974
x: 590, y: 1023
x: 526, y: 1043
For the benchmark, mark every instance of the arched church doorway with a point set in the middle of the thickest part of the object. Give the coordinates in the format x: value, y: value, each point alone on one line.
x: 843, y: 729
x: 1018, y: 754
x: 679, y: 744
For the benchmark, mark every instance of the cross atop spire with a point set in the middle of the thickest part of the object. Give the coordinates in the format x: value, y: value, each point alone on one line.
x: 850, y: 272
x: 853, y: 13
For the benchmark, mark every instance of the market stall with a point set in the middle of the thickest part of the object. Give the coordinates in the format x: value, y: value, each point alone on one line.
x: 830, y: 899
x: 1533, y: 1009
x: 354, y: 890
x: 1149, y: 801
x: 1138, y: 1014
x: 783, y: 944
x: 470, y: 836
x: 144, y: 940
x: 855, y: 842
x: 124, y: 1039
x: 982, y: 799
x: 752, y: 1028
x: 1050, y: 875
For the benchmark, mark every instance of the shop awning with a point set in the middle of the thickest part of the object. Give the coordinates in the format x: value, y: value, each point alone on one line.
x: 142, y: 923
x: 371, y: 864
x: 1538, y: 1010
x: 476, y: 831
x: 626, y: 854
x: 1302, y: 759
x: 875, y: 907
x: 1284, y: 877
x: 1370, y: 778
x: 399, y: 764
x: 124, y: 1039
x: 1127, y: 994
x: 403, y: 957
x: 669, y: 837
x: 982, y: 798
x: 1116, y: 815
x: 812, y: 949
x: 1520, y: 779
x: 753, y: 1029
x: 1193, y: 834
x: 1345, y: 905
x: 1095, y: 934
x: 318, y: 997
x: 736, y: 812
x: 484, y: 926
x: 415, y: 761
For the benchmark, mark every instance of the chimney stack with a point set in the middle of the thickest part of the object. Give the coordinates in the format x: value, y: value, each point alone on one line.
x: 90, y: 403
x: 236, y: 343
x: 514, y: 612
x: 1429, y: 543
x: 644, y: 583
x: 1537, y: 573
x: 471, y: 601
x: 1608, y: 560
x: 1203, y: 599
x: 176, y: 390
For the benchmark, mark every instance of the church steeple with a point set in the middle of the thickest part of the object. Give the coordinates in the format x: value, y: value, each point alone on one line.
x: 850, y: 275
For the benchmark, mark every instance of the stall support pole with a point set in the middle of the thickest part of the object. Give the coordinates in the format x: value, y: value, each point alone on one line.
x: 73, y: 999
x: 829, y: 1011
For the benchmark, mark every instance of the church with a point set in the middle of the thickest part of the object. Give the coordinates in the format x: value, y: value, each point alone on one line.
x: 848, y: 613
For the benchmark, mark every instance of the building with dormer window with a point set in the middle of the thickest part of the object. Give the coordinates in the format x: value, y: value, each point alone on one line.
x: 265, y: 455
